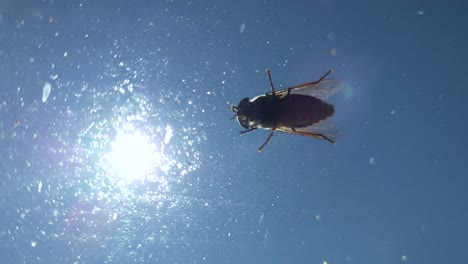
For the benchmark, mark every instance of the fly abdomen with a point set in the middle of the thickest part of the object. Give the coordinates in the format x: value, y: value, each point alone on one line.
x: 302, y: 110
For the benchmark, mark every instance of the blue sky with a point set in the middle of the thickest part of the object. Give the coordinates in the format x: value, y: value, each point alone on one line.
x: 133, y: 158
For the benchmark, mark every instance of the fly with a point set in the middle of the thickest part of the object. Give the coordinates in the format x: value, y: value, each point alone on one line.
x: 300, y: 110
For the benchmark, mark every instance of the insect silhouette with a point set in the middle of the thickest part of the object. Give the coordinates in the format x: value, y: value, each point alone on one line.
x: 300, y: 110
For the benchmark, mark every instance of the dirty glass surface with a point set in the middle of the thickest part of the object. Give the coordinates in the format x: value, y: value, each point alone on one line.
x: 116, y: 144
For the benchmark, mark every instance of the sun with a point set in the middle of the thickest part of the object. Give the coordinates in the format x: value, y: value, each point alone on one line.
x: 132, y: 156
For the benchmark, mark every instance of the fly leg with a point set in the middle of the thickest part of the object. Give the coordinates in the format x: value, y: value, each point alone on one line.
x: 289, y: 90
x: 309, y: 83
x: 266, y: 141
x: 271, y: 82
x: 248, y: 130
x: 323, y: 77
x: 326, y: 138
x: 318, y: 135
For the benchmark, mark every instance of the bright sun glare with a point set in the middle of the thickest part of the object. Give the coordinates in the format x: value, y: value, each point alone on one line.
x: 131, y: 155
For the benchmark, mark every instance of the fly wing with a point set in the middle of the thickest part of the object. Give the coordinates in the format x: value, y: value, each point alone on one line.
x: 325, y: 129
x: 321, y: 90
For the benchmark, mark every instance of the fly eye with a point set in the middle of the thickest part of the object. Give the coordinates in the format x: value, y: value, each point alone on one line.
x: 244, y: 104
